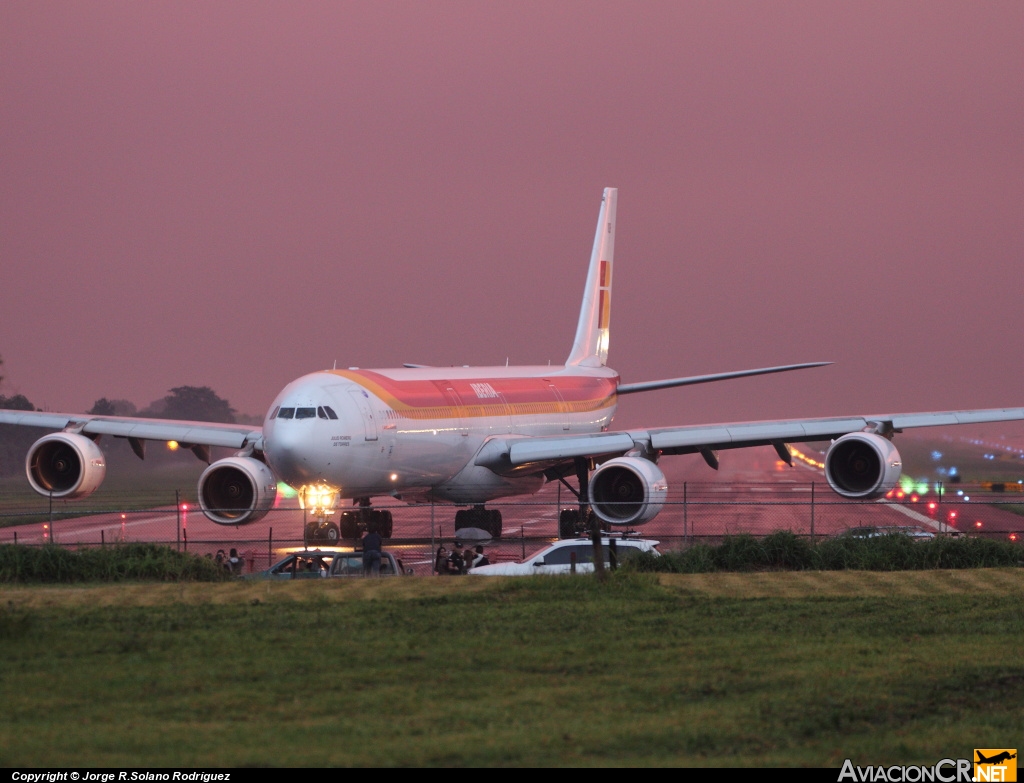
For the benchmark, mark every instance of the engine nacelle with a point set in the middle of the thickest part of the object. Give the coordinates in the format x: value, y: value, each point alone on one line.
x: 862, y: 465
x: 627, y: 491
x: 237, y: 491
x: 65, y: 465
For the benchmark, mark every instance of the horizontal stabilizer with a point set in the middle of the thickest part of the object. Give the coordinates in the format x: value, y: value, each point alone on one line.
x: 630, y: 388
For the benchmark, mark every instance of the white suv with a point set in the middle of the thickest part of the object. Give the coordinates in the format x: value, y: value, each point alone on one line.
x: 557, y: 558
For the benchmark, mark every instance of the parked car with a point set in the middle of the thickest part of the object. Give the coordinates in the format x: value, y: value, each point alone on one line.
x: 911, y: 531
x: 327, y: 564
x: 557, y: 557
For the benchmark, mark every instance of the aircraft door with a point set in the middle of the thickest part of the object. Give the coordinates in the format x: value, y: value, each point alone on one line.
x: 563, y: 409
x: 362, y: 400
x: 455, y: 402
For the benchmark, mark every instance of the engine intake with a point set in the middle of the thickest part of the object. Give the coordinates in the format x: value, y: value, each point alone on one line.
x: 65, y: 465
x: 237, y: 491
x: 627, y: 491
x: 862, y: 465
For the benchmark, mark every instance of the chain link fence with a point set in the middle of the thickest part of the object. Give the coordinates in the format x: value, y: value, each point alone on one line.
x: 705, y: 511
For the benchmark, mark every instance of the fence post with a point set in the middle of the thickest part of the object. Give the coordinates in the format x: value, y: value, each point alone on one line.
x: 177, y: 512
x: 812, y: 511
x: 270, y: 546
x: 684, y: 512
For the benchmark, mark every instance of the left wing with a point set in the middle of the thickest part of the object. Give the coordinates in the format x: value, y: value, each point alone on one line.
x: 517, y: 452
x: 188, y: 433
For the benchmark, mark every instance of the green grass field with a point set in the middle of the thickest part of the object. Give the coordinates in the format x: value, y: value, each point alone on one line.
x: 799, y: 668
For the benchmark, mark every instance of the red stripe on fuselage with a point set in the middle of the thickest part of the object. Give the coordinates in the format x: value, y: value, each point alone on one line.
x: 430, y: 398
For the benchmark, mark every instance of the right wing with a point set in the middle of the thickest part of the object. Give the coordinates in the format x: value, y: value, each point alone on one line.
x: 515, y: 453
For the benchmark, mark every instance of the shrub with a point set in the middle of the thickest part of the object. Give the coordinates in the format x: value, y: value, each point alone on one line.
x: 135, y: 562
x: 785, y: 551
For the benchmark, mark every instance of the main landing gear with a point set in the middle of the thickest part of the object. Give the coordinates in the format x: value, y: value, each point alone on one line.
x: 485, y: 519
x: 578, y: 522
x: 353, y: 524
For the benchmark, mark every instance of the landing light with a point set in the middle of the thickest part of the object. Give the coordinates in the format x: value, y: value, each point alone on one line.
x: 172, y: 445
x: 394, y: 477
x: 318, y: 499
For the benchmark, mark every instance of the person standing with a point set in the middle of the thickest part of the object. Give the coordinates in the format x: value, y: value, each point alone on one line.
x: 372, y: 543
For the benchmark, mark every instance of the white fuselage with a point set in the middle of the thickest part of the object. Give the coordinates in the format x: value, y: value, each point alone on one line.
x: 414, y: 432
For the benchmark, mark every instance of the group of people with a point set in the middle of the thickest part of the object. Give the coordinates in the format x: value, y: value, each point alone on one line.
x: 459, y: 560
x: 231, y: 562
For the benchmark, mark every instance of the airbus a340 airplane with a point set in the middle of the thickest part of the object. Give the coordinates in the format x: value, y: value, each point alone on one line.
x: 469, y: 435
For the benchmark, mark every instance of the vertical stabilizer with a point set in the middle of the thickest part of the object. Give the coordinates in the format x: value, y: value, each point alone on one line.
x: 590, y: 348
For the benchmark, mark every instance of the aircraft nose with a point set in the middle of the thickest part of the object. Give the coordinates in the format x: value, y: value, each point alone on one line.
x: 287, y: 450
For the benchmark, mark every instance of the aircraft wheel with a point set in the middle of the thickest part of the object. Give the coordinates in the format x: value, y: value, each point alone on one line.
x: 494, y: 523
x: 349, y: 525
x: 569, y: 523
x: 332, y: 533
x: 465, y: 517
x: 383, y: 523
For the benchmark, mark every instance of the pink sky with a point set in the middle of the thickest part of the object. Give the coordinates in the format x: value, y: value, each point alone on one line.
x: 234, y: 194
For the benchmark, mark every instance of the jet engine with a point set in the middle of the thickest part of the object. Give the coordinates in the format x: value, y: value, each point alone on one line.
x: 237, y: 491
x: 65, y: 465
x: 862, y: 465
x: 627, y: 491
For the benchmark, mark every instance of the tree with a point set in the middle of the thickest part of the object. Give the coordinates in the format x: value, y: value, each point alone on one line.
x: 19, y: 402
x: 14, y: 440
x: 197, y: 403
x: 105, y: 407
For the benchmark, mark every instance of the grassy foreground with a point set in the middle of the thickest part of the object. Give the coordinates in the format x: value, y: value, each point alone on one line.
x: 718, y: 669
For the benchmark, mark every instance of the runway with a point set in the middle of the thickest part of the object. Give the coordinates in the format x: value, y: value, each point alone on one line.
x: 752, y: 492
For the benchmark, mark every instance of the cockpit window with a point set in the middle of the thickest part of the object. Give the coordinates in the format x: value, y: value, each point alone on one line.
x: 321, y: 413
x: 330, y: 412
x: 305, y: 413
x: 286, y: 413
x: 274, y: 414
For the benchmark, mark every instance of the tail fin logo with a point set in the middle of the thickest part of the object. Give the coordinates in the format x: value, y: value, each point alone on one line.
x: 605, y: 295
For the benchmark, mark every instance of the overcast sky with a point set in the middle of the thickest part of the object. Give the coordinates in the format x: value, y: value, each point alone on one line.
x: 234, y: 194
